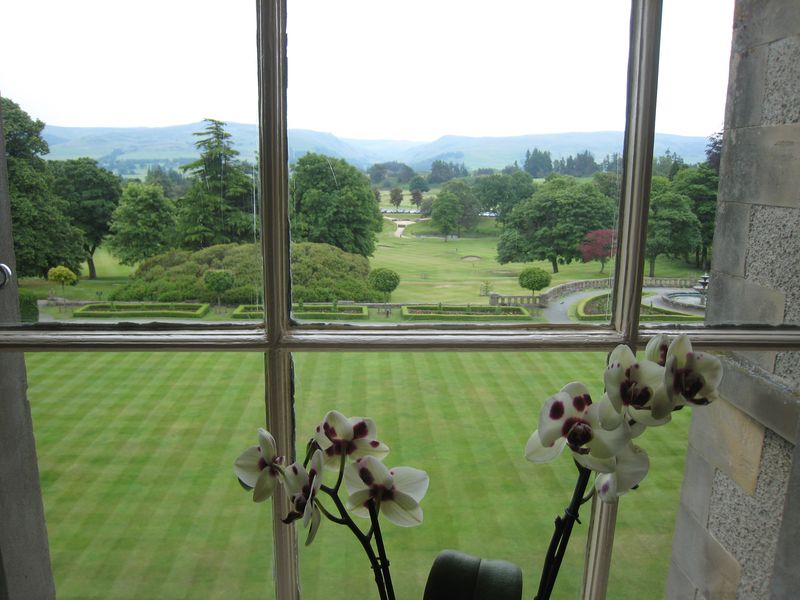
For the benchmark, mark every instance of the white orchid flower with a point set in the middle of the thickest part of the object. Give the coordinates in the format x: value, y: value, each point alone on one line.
x: 689, y: 378
x: 632, y: 464
x: 569, y: 418
x: 258, y: 467
x: 631, y: 387
x: 302, y: 487
x: 396, y: 491
x: 354, y: 437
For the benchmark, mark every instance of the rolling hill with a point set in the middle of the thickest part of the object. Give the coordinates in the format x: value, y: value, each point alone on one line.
x: 132, y: 150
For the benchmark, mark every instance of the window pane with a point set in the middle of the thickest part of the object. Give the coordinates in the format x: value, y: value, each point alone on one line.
x: 683, y: 198
x: 135, y: 456
x: 132, y: 159
x: 465, y: 419
x: 441, y: 124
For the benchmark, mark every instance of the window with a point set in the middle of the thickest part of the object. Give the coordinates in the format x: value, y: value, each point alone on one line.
x: 281, y: 336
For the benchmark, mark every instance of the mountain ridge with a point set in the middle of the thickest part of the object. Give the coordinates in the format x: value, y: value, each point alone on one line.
x: 128, y: 149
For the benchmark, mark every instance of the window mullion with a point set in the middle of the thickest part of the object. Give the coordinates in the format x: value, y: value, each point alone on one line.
x: 273, y: 163
x: 637, y: 166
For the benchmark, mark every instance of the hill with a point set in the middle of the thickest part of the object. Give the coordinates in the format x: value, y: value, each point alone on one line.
x: 131, y: 150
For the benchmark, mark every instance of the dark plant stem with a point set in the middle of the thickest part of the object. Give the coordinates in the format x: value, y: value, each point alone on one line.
x: 382, y: 558
x: 560, y: 539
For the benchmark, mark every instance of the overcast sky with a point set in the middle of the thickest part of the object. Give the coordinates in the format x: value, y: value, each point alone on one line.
x: 373, y: 69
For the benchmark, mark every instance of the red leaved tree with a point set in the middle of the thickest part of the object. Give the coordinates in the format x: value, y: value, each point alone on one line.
x: 598, y: 245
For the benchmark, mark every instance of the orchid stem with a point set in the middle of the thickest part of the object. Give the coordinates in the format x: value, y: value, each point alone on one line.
x: 560, y: 539
x: 382, y: 558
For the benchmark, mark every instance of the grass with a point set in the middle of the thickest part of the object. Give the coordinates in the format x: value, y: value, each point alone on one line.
x: 135, y: 453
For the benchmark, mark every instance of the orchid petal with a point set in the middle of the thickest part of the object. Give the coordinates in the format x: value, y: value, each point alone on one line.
x: 352, y: 482
x: 620, y: 359
x: 601, y: 465
x: 369, y: 447
x: 554, y: 412
x: 605, y: 443
x: 606, y: 486
x: 645, y: 417
x: 374, y: 472
x: 267, y: 444
x: 610, y: 417
x: 246, y: 466
x: 413, y: 482
x: 632, y: 466
x: 536, y: 452
x: 315, y: 521
x: 356, y: 502
x: 265, y: 486
x: 402, y: 510
x: 362, y: 427
x: 657, y: 348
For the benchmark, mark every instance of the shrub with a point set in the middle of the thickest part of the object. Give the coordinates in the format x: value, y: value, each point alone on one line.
x: 384, y: 280
x: 28, y: 307
x: 62, y: 275
x: 534, y: 278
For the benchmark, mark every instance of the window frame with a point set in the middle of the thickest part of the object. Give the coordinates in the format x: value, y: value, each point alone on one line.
x: 280, y: 336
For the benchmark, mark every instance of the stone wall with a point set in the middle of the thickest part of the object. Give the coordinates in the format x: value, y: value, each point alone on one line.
x: 739, y: 518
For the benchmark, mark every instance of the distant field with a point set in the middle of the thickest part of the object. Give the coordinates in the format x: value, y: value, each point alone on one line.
x: 135, y: 454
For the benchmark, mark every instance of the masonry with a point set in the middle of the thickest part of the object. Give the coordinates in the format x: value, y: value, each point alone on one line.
x: 738, y: 523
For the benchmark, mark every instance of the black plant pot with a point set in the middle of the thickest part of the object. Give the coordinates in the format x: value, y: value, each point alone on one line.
x: 458, y: 576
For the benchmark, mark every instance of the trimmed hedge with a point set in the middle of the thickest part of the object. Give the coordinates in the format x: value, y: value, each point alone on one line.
x: 325, y: 312
x: 662, y: 314
x: 28, y: 307
x: 138, y: 309
x: 452, y: 312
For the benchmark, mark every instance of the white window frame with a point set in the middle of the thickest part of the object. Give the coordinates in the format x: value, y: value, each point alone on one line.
x: 280, y: 336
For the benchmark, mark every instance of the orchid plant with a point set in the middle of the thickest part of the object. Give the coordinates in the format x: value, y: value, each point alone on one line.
x: 350, y: 448
x: 638, y: 394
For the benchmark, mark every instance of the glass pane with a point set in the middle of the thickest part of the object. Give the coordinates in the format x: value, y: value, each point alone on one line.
x: 135, y: 458
x: 452, y: 160
x: 132, y: 140
x: 689, y: 119
x: 465, y: 419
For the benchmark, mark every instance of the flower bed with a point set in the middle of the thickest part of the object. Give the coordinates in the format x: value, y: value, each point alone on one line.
x: 179, y: 310
x: 451, y: 312
x: 326, y: 312
x: 586, y: 310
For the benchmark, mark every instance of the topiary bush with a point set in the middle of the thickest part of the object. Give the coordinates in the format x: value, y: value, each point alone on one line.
x: 384, y: 280
x: 534, y: 279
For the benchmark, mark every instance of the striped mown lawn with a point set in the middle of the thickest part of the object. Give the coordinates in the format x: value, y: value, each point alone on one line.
x: 135, y: 455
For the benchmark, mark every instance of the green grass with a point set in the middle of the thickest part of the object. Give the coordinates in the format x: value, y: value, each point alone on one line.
x: 135, y: 453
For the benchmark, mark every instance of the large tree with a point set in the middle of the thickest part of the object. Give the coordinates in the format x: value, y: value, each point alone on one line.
x: 217, y: 208
x: 672, y: 228
x: 469, y: 207
x: 445, y: 213
x: 92, y: 194
x: 700, y: 184
x: 331, y: 202
x: 551, y: 224
x: 44, y: 235
x: 538, y: 163
x: 143, y: 225
x: 500, y: 192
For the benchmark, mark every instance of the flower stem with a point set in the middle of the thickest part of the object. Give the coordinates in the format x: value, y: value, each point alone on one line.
x: 382, y: 558
x: 560, y: 539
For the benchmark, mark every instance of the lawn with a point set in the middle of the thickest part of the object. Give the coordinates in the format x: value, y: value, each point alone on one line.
x: 135, y: 455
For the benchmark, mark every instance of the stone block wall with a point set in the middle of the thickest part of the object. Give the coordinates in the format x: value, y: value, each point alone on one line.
x: 739, y: 517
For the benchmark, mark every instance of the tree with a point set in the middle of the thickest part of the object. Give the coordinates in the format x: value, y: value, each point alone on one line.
x: 396, y: 197
x: 217, y: 207
x: 608, y: 183
x: 469, y: 207
x: 700, y: 185
x: 174, y: 184
x: 331, y: 202
x: 219, y: 282
x: 445, y: 213
x: 534, y: 279
x: 442, y: 171
x: 418, y: 183
x: 672, y: 228
x: 62, y: 275
x: 667, y: 165
x: 499, y: 193
x: 598, y: 245
x: 416, y: 198
x: 538, y: 163
x: 44, y: 235
x: 143, y: 225
x: 377, y: 173
x: 551, y: 224
x: 384, y: 280
x: 714, y: 151
x: 377, y: 193
x: 92, y: 194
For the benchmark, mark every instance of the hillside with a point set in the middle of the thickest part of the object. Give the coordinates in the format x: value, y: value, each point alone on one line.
x: 131, y: 150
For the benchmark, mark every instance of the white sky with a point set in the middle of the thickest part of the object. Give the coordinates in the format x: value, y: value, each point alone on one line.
x: 373, y: 69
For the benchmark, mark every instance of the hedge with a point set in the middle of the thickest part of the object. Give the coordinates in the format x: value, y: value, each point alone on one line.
x: 28, y: 307
x: 168, y: 310
x: 459, y: 313
x: 325, y: 312
x: 663, y: 314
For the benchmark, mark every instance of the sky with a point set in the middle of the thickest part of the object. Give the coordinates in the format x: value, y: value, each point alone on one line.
x: 367, y: 69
